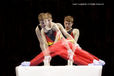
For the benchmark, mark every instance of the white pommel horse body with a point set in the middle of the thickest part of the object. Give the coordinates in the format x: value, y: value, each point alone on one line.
x: 58, y: 70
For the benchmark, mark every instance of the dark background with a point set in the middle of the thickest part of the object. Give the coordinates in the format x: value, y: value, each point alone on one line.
x: 19, y: 42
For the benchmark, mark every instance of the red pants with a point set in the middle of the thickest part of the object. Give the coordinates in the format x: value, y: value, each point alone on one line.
x: 81, y: 57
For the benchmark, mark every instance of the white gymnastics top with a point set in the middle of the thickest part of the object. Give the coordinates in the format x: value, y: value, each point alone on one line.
x: 58, y: 70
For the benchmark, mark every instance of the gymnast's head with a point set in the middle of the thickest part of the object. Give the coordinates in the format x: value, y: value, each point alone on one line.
x: 68, y: 22
x: 49, y: 17
x: 43, y: 20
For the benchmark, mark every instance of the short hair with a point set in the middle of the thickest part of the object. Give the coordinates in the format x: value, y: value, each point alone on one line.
x: 42, y: 16
x: 49, y: 15
x: 69, y: 19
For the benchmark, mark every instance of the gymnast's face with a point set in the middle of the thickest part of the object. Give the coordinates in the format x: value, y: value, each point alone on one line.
x: 49, y: 20
x: 68, y: 25
x: 44, y: 23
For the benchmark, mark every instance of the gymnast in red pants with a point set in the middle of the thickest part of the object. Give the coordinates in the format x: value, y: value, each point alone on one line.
x: 50, y: 34
x: 68, y: 22
x: 80, y: 57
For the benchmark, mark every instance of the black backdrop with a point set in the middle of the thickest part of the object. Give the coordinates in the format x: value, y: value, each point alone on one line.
x: 19, y: 42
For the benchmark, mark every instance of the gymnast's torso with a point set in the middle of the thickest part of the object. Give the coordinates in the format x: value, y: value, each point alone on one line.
x: 50, y: 36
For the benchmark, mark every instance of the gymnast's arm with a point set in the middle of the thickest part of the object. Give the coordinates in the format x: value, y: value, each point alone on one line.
x: 58, y: 33
x: 76, y: 34
x: 45, y: 44
x: 38, y: 33
x: 65, y: 32
x: 68, y: 36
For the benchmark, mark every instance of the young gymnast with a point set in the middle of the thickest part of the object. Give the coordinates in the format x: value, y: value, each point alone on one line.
x: 68, y: 23
x: 49, y: 35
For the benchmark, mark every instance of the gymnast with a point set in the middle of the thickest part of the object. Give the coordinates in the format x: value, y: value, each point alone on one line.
x: 68, y: 23
x: 50, y: 34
